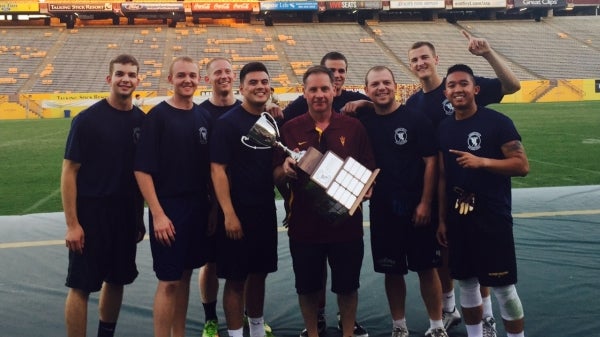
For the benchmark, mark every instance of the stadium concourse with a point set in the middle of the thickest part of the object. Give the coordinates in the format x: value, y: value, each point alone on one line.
x: 557, y: 231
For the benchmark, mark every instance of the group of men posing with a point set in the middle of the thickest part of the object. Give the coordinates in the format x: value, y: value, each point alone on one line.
x: 445, y: 159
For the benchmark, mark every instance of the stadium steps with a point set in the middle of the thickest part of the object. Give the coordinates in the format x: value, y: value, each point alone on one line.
x: 283, y: 56
x: 164, y: 86
x: 578, y: 32
x: 56, y: 49
x: 512, y: 64
x: 404, y: 67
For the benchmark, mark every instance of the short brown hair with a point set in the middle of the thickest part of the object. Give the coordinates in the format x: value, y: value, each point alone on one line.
x: 123, y: 59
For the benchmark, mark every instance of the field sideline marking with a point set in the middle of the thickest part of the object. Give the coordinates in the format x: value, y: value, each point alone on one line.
x: 29, y: 244
x: 566, y: 166
x: 42, y: 201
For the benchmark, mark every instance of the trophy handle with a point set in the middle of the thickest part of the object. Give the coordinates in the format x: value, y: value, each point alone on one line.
x: 245, y: 139
x: 271, y: 121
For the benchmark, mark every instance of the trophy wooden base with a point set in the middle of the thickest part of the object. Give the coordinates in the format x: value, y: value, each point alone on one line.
x: 338, y: 184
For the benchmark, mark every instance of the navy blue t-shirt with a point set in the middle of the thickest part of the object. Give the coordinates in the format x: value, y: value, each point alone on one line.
x: 299, y: 106
x: 173, y: 149
x: 483, y: 135
x: 436, y: 106
x: 217, y: 111
x: 250, y: 170
x: 102, y: 139
x: 400, y: 141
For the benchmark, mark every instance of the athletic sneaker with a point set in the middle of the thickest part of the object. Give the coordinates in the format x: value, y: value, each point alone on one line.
x: 268, y: 331
x: 359, y: 331
x: 321, y: 326
x: 211, y: 328
x: 437, y: 332
x: 489, y: 327
x: 399, y: 332
x: 450, y: 319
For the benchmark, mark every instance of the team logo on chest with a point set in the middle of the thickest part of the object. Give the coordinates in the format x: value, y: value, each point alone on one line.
x: 400, y: 136
x: 136, y: 134
x: 448, y: 108
x: 203, y: 134
x: 474, y: 141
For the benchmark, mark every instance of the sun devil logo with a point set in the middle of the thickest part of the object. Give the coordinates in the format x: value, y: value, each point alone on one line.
x: 400, y: 136
x: 136, y: 134
x: 448, y: 108
x: 474, y: 141
x: 343, y: 140
x: 203, y: 133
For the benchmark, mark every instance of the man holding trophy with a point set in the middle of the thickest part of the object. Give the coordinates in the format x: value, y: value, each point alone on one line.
x: 243, y: 183
x: 314, y: 239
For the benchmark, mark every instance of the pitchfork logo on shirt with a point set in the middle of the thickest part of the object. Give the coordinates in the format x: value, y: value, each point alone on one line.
x: 400, y: 136
x: 474, y: 141
x: 448, y: 108
x: 136, y: 134
x: 203, y: 133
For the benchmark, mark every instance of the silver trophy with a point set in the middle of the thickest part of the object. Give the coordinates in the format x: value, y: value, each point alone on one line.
x: 265, y: 133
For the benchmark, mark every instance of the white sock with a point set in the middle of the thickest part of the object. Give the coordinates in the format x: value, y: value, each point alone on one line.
x: 475, y: 330
x: 236, y: 333
x: 487, y: 307
x: 400, y: 323
x: 448, y: 301
x: 520, y: 334
x: 434, y: 324
x: 257, y: 326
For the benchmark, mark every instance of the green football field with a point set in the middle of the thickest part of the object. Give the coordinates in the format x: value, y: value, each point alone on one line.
x: 562, y: 141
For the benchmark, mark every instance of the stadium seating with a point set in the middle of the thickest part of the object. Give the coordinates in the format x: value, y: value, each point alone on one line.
x: 22, y: 51
x: 54, y: 59
x: 541, y: 50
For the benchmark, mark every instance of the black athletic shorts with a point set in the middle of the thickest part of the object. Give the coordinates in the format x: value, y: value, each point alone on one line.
x: 109, y: 226
x: 189, y: 216
x: 345, y: 261
x: 256, y: 252
x: 481, y: 245
x: 397, y: 245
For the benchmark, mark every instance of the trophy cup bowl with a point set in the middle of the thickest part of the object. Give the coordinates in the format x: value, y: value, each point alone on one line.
x: 265, y: 133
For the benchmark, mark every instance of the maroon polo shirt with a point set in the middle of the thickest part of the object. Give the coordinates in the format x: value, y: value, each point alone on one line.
x: 345, y: 136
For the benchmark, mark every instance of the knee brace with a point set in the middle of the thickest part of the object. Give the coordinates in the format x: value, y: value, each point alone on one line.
x: 509, y: 302
x: 469, y: 293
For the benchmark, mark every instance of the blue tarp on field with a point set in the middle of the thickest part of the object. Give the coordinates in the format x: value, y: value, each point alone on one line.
x: 557, y: 232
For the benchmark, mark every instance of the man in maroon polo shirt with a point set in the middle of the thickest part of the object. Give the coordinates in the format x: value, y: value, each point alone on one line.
x: 315, y: 239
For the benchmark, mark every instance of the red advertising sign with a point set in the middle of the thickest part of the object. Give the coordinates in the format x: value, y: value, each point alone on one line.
x: 224, y: 6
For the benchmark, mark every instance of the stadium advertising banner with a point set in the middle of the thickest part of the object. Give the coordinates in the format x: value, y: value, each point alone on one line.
x: 138, y: 7
x: 224, y: 7
x: 289, y: 6
x: 478, y: 4
x: 540, y: 3
x: 19, y: 7
x: 82, y: 7
x: 346, y: 5
x: 417, y: 4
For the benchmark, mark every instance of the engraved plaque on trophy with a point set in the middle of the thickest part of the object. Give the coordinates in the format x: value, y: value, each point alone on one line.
x: 342, y: 184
